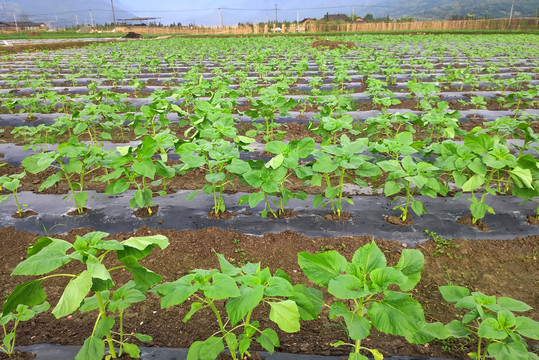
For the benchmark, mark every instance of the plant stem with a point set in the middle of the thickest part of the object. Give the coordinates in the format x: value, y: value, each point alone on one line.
x: 103, y: 314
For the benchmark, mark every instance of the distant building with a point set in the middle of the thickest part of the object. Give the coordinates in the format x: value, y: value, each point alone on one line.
x: 336, y: 17
x: 307, y: 20
x: 22, y: 25
x: 359, y: 20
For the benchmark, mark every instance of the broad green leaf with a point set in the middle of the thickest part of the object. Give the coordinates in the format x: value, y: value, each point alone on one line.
x: 391, y: 188
x: 411, y: 263
x: 194, y: 351
x: 276, y: 147
x: 117, y: 187
x: 269, y: 340
x: 29, y: 293
x: 278, y: 286
x: 142, y: 243
x: 473, y: 183
x: 38, y: 162
x: 141, y: 275
x: 73, y: 294
x: 480, y: 143
x: 508, y: 351
x: 49, y: 257
x: 453, y: 293
x: 490, y: 329
x: 309, y: 301
x: 231, y: 341
x: 383, y: 277
x: 397, y: 314
x: 132, y: 350
x: 222, y: 287
x: 369, y: 257
x: 457, y: 329
x: 347, y: 287
x: 175, y: 293
x: 418, y: 208
x: 430, y: 332
x: 358, y: 327
x: 238, y: 307
x: 143, y: 337
x: 103, y: 327
x: 523, y: 175
x: 321, y: 268
x: 211, y: 348
x: 96, y: 269
x: 275, y: 161
x: 527, y: 327
x: 93, y: 348
x: 226, y: 267
x: 255, y: 199
x: 285, y: 314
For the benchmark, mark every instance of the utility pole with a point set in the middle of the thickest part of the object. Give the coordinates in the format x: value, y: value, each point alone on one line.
x: 113, y: 15
x: 91, y: 18
x: 511, y: 13
x: 77, y: 19
x: 16, y: 26
x: 276, y: 13
x: 220, y: 18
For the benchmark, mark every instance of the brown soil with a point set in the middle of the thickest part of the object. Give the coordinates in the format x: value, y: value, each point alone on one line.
x: 285, y: 214
x: 18, y: 355
x: 492, y: 267
x: 396, y: 220
x: 532, y: 219
x: 77, y: 213
x: 48, y: 46
x: 332, y: 44
x: 225, y: 215
x: 468, y: 220
x: 143, y: 212
x: 24, y: 214
x: 345, y: 216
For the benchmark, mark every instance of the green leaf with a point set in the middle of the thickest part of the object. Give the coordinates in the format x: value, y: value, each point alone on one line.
x: 391, y: 188
x: 309, y: 301
x: 96, y: 269
x: 277, y: 286
x: 527, y: 327
x: 480, y: 143
x: 275, y: 161
x: 51, y: 180
x: 418, y: 208
x: 175, y: 293
x: 383, y: 277
x: 285, y: 314
x: 508, y: 351
x: 490, y: 329
x: 49, y: 257
x: 194, y: 308
x: 93, y: 348
x: 141, y: 275
x: 194, y: 351
x: 231, y: 341
x: 473, y: 183
x: 347, y: 287
x: 369, y: 257
x: 142, y: 243
x: 457, y: 329
x: 143, y: 337
x: 222, y: 287
x: 29, y: 293
x: 73, y: 294
x: 117, y: 187
x: 411, y: 263
x: 321, y: 268
x: 453, y: 293
x: 132, y: 350
x: 397, y: 314
x: 238, y: 307
x: 430, y: 332
x: 325, y: 165
x: 255, y: 199
x: 37, y: 163
x: 358, y: 327
x: 269, y: 340
x: 211, y: 348
x: 276, y: 147
x: 103, y: 327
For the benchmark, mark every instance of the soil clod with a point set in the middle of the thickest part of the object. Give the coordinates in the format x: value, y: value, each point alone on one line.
x: 468, y: 220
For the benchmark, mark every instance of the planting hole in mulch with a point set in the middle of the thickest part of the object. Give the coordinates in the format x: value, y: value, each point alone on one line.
x: 345, y: 216
x: 24, y: 214
x: 18, y: 355
x: 532, y: 220
x: 396, y: 220
x: 285, y: 214
x: 468, y: 220
x: 75, y: 212
x: 225, y: 215
x: 254, y: 356
x: 31, y: 118
x: 143, y: 213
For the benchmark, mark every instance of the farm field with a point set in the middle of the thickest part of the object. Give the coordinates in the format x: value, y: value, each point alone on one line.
x: 261, y: 148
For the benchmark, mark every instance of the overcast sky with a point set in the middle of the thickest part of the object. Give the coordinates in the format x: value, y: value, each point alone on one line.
x: 205, y: 12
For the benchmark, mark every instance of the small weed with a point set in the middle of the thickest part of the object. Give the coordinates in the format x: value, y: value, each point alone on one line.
x: 442, y: 245
x: 453, y: 345
x: 241, y: 253
x: 532, y: 255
